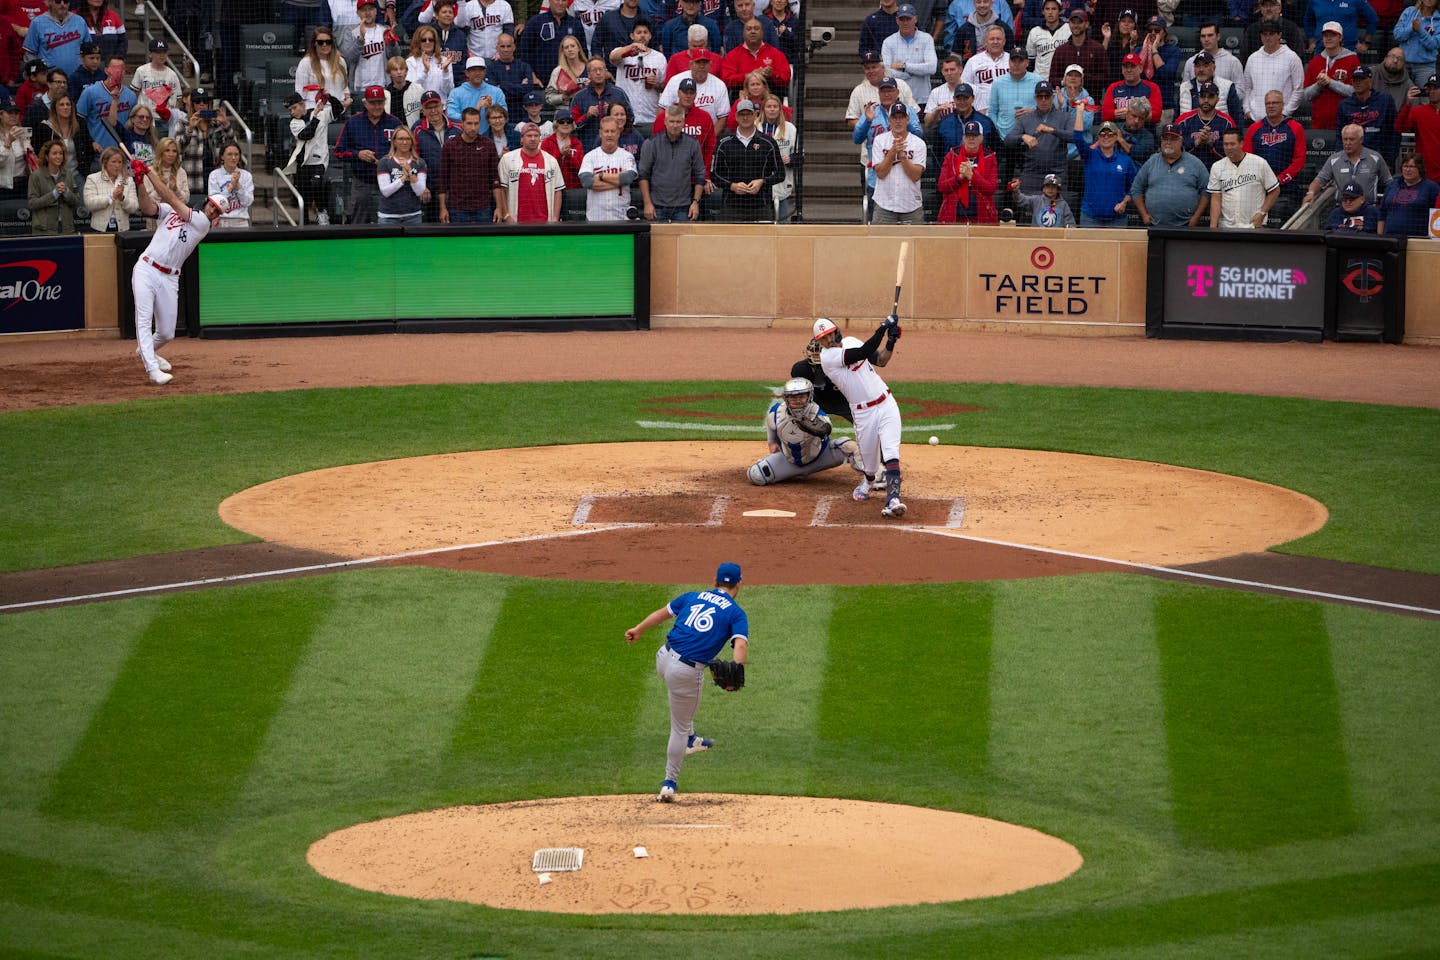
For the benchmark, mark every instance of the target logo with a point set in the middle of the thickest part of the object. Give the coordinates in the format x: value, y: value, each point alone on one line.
x: 1042, y: 258
x: 1435, y: 224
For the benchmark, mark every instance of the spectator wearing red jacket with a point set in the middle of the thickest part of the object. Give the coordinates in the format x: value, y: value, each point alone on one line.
x: 1130, y: 87
x: 567, y: 150
x: 755, y: 54
x: 969, y: 175
x: 698, y: 49
x: 1423, y: 118
x: 1327, y: 77
x: 1280, y: 142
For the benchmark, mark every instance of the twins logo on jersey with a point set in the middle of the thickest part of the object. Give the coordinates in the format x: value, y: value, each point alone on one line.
x: 373, y: 48
x: 705, y: 101
x: 983, y: 75
x: 694, y: 131
x: 484, y: 21
x: 56, y: 40
x: 1273, y: 138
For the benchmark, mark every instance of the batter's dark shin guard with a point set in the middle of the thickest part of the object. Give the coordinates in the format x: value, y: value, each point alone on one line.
x: 892, y: 483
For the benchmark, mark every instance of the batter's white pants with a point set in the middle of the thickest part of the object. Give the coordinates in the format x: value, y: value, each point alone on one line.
x: 157, y: 298
x: 684, y: 684
x: 877, y: 429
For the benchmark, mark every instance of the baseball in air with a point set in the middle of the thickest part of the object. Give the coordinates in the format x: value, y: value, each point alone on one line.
x: 934, y: 441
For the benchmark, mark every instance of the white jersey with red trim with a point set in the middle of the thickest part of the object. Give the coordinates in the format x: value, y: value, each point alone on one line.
x: 486, y: 23
x: 860, y: 383
x: 175, y: 237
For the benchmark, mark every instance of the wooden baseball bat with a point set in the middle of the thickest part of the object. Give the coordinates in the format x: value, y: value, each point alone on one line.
x: 114, y: 132
x: 900, y: 274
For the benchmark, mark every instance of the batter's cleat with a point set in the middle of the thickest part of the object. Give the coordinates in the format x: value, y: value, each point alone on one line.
x: 160, y: 361
x: 160, y: 377
x: 667, y: 792
x: 893, y: 508
x: 862, y: 492
x: 698, y: 744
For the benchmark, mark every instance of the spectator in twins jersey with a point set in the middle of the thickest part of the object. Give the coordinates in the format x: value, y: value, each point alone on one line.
x: 1204, y: 127
x: 639, y: 72
x: 899, y: 159
x: 363, y: 47
x: 1327, y: 77
x: 982, y: 69
x: 486, y: 22
x: 531, y: 182
x: 1130, y: 87
x: 876, y: 121
x: 589, y: 13
x: 1045, y: 37
x: 606, y: 174
x: 1280, y: 142
x: 711, y: 94
x: 55, y: 37
x: 1373, y: 112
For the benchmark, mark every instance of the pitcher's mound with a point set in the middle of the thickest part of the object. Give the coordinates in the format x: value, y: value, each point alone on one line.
x: 707, y: 854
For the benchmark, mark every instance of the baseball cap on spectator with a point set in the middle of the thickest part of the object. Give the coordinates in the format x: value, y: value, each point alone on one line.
x: 200, y: 95
x: 1270, y: 26
x: 1434, y: 81
x: 293, y: 98
x: 973, y: 129
x: 869, y: 56
x: 1208, y: 88
x: 1361, y: 72
x: 887, y: 83
x: 687, y: 85
x: 905, y: 10
x: 745, y: 105
x: 474, y: 62
x: 964, y: 90
x: 899, y: 110
x: 527, y: 126
x: 1043, y: 87
x: 1109, y: 127
x: 563, y: 115
x: 1204, y: 57
x: 431, y: 96
x: 1171, y: 130
x: 1075, y: 68
x: 9, y: 106
x: 157, y: 46
x: 1126, y: 13
x: 88, y: 47
x: 1154, y: 22
x: 1352, y: 191
x: 373, y: 92
x: 1332, y: 26
x: 531, y: 96
x: 1132, y: 60
x: 34, y: 67
x: 363, y: 3
x: 1078, y: 14
x: 1017, y: 52
x: 1051, y: 179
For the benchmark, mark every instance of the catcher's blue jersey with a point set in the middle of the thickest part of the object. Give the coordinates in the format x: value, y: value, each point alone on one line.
x: 704, y: 621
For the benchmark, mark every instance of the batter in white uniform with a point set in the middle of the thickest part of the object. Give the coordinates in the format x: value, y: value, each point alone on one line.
x: 156, y: 277
x: 849, y: 366
x: 798, y: 433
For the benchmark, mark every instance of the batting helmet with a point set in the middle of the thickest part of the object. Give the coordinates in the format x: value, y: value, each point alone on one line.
x: 823, y: 328
x: 798, y: 393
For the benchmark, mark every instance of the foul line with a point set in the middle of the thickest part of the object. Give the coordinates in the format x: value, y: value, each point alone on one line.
x: 1178, y: 572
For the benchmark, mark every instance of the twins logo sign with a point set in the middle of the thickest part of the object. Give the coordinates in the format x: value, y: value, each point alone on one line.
x: 43, y: 289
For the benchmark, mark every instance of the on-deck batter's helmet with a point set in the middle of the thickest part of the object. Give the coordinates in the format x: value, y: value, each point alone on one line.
x: 798, y: 393
x: 823, y: 328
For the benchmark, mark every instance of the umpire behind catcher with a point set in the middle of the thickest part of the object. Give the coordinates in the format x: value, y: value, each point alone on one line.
x: 705, y: 621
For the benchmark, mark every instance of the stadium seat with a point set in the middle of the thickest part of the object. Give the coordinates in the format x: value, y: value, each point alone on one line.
x: 279, y: 81
x: 14, y: 218
x: 1320, y: 142
x: 263, y: 42
x: 1186, y: 38
x: 1231, y: 38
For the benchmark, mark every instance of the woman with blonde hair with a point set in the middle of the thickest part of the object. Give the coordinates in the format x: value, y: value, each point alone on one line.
x: 402, y: 176
x: 169, y: 169
x: 110, y: 195
x: 53, y: 197
x: 755, y: 89
x: 322, y: 69
x: 428, y: 66
x: 569, y: 75
x: 402, y: 98
x: 774, y: 123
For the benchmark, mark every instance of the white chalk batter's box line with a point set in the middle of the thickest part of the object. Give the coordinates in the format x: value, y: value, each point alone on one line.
x: 720, y: 505
x: 581, y: 518
x: 760, y: 430
x: 953, y: 519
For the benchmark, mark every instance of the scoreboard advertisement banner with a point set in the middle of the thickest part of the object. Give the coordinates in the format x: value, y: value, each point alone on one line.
x: 42, y: 284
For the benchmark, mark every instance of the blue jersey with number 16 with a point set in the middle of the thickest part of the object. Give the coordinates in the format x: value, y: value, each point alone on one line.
x: 704, y: 621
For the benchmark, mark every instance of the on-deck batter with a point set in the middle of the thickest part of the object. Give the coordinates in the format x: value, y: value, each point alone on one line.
x: 877, y: 415
x: 156, y: 277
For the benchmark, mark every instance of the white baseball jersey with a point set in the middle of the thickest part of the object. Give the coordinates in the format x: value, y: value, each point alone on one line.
x: 877, y: 415
x: 590, y: 12
x: 607, y: 204
x: 630, y: 77
x: 1242, y: 188
x: 897, y: 192
x: 370, y: 68
x: 712, y: 96
x: 980, y: 71
x: 175, y: 237
x: 486, y: 23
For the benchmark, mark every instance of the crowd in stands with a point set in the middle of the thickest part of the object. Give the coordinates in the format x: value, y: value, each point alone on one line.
x: 1105, y: 113
x: 1119, y: 113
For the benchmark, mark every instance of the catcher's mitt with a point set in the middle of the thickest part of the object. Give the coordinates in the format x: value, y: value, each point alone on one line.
x: 727, y: 674
x: 811, y: 421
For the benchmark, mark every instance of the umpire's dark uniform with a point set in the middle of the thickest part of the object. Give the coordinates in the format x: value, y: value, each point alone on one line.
x: 830, y: 399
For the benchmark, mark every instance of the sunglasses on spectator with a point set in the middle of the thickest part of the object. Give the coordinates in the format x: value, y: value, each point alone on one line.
x: 323, y: 41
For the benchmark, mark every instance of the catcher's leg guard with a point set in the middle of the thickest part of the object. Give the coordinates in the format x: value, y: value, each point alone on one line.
x: 851, y: 450
x: 761, y: 473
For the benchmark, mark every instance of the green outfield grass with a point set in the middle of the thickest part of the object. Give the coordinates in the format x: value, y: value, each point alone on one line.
x: 1246, y: 775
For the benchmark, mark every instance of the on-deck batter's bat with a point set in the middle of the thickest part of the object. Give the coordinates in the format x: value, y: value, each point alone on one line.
x: 114, y: 132
x: 900, y: 274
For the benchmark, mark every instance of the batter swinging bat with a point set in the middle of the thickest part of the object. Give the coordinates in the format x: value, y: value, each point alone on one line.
x: 900, y: 274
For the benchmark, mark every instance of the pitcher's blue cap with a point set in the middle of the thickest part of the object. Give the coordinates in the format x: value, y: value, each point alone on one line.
x: 728, y: 573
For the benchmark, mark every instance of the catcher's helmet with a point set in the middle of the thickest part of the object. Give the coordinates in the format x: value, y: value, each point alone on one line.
x: 823, y: 328
x: 798, y: 393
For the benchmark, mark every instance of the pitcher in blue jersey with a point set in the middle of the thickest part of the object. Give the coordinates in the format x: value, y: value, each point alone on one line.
x: 705, y: 620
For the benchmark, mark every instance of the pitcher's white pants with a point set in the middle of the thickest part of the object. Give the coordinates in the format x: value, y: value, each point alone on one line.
x: 684, y: 684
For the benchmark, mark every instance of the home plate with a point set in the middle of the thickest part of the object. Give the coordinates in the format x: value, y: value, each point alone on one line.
x: 769, y: 513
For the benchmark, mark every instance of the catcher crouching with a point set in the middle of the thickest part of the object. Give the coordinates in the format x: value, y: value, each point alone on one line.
x: 798, y: 434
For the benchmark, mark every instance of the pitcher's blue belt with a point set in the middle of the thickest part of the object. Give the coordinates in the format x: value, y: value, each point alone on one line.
x: 685, y: 660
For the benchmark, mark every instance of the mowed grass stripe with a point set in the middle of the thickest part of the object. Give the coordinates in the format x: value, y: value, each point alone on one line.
x: 370, y: 708
x: 1077, y: 716
x: 1252, y: 720
x: 173, y: 742
x: 552, y: 707
x: 765, y: 734
x: 51, y: 933
x: 55, y: 671
x: 1387, y: 674
x: 905, y: 712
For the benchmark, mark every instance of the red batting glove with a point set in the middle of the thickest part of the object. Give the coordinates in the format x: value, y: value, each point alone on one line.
x: 138, y: 168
